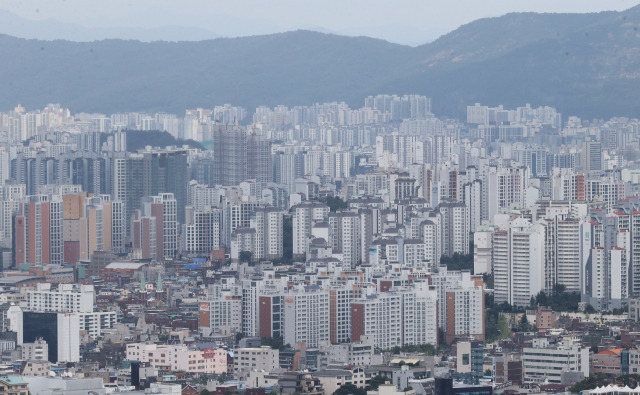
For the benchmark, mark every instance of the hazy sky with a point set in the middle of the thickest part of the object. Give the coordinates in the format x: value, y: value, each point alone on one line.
x: 406, y: 21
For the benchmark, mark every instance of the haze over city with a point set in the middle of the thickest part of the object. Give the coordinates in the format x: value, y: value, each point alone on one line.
x: 319, y: 197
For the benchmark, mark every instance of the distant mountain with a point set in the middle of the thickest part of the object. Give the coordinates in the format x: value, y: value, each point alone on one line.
x: 584, y: 64
x: 13, y: 25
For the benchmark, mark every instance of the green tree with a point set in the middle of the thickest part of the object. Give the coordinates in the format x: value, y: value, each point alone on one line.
x: 496, y: 325
x: 488, y: 372
x: 428, y: 349
x: 245, y: 256
x: 589, y: 309
x: 630, y: 380
x: 591, y: 382
x: 488, y: 280
x: 524, y: 322
x: 458, y: 261
x: 560, y: 300
x: 541, y: 299
x: 335, y: 203
x: 350, y: 389
x: 276, y: 342
x: 287, y: 239
x: 375, y: 382
x: 205, y: 392
x: 407, y: 389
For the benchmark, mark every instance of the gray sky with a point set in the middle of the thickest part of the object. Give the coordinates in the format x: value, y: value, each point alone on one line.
x: 404, y: 21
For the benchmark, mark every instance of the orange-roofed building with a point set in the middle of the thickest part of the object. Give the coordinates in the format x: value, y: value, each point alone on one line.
x: 610, y: 362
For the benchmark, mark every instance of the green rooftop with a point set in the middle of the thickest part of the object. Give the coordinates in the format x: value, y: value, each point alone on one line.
x: 12, y: 380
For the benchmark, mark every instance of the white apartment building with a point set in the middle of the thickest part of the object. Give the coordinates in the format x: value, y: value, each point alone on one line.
x: 68, y: 298
x: 482, y: 251
x: 472, y: 197
x: 503, y: 188
x: 455, y: 228
x: 385, y: 250
x: 95, y: 322
x: 337, y: 164
x: 68, y: 337
x: 9, y: 204
x: 568, y: 251
x: 202, y: 230
x: 420, y: 307
x: 340, y: 298
x: 460, y: 304
x: 169, y: 224
x: 431, y: 236
x: 567, y: 185
x: 221, y: 315
x: 518, y: 262
x: 304, y: 216
x: 252, y: 289
x: 413, y: 251
x: 306, y: 316
x: 478, y: 114
x: 345, y: 236
x: 380, y: 317
x: 200, y: 196
x: 269, y: 237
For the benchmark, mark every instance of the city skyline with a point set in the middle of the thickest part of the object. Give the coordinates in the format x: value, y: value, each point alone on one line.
x: 314, y: 241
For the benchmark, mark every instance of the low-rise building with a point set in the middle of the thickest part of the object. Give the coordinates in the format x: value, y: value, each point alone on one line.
x: 545, y: 362
x: 246, y: 360
x: 354, y: 353
x: 180, y: 357
x: 634, y: 361
x: 390, y: 389
x: 610, y: 362
x: 36, y: 368
x: 507, y: 367
x: 634, y: 309
x: 36, y: 351
x: 545, y: 319
x: 300, y: 382
x: 469, y: 359
x: 44, y: 385
x: 13, y: 385
x: 332, y: 379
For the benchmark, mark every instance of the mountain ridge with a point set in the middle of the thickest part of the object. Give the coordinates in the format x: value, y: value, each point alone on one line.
x: 584, y: 64
x: 17, y: 26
